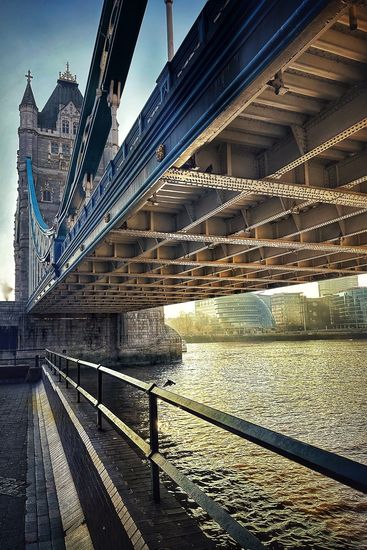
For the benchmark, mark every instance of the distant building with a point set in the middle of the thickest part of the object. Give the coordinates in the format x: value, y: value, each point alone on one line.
x: 237, y: 314
x: 349, y: 309
x: 266, y: 298
x: 288, y: 310
x: 317, y: 313
x: 334, y: 286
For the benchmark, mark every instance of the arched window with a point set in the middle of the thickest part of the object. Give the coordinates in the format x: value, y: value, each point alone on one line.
x: 46, y: 195
x: 65, y: 126
x: 75, y: 128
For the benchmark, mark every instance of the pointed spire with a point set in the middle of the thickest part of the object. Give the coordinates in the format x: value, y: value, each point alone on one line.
x: 28, y: 97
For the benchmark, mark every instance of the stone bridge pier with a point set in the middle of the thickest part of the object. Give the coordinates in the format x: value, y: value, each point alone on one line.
x: 124, y: 339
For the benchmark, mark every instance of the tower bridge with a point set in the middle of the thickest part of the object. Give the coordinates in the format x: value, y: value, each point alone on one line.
x: 245, y: 170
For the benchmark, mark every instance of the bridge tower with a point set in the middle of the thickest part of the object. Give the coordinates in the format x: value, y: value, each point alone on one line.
x: 47, y: 137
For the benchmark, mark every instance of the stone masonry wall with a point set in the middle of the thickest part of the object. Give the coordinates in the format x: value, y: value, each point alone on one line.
x: 133, y: 338
x: 10, y: 313
x: 146, y: 339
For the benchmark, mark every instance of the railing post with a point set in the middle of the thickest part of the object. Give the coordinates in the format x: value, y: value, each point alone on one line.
x: 78, y: 380
x: 67, y: 372
x: 154, y: 442
x: 99, y: 397
x: 59, y: 367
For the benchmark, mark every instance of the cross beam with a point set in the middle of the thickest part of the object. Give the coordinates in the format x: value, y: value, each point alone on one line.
x: 265, y: 187
x: 196, y: 264
x: 243, y: 241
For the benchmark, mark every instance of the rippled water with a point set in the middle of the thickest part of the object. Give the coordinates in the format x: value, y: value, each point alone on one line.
x: 314, y: 391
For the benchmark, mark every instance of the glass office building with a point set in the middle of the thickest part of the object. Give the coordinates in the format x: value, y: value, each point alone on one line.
x: 238, y: 313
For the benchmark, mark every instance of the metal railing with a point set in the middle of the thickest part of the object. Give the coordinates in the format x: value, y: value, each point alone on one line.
x: 14, y: 357
x: 346, y: 471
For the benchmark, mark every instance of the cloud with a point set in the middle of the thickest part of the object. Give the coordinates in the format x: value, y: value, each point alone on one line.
x: 6, y: 290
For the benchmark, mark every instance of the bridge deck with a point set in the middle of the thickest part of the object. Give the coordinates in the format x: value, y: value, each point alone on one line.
x: 273, y: 187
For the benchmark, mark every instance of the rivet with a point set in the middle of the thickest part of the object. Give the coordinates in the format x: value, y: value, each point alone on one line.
x: 160, y: 152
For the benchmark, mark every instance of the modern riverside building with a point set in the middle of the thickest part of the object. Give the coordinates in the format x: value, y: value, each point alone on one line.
x: 349, y: 309
x: 237, y: 314
x: 288, y: 310
x: 317, y: 313
x: 333, y: 286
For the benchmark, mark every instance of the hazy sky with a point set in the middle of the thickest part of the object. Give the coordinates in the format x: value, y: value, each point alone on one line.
x: 42, y: 35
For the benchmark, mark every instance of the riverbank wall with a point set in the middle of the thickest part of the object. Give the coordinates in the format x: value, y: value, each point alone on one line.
x: 284, y: 336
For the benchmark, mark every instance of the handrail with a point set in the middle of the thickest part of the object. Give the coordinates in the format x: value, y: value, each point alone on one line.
x: 16, y: 355
x: 17, y: 350
x: 341, y: 469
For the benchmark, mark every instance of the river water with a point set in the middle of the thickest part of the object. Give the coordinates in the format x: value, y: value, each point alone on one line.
x: 314, y: 391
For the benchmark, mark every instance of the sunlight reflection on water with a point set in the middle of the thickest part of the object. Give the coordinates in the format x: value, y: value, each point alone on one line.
x: 313, y: 391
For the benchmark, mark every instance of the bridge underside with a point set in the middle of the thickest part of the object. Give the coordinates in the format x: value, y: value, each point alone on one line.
x: 271, y: 194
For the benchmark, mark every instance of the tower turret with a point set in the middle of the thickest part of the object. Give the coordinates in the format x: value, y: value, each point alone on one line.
x: 28, y: 108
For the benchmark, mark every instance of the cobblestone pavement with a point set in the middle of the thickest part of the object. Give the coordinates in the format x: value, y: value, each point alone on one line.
x: 14, y: 403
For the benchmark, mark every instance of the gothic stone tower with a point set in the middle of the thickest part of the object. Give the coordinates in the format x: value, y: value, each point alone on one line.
x: 47, y: 137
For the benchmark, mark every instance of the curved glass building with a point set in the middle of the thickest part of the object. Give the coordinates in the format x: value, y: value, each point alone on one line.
x: 238, y: 313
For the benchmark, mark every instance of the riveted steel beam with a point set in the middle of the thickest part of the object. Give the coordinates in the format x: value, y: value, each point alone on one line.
x: 195, y: 264
x: 338, y: 121
x: 265, y: 187
x: 243, y: 241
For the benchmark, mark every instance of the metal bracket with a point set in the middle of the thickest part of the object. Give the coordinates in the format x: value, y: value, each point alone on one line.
x: 151, y: 387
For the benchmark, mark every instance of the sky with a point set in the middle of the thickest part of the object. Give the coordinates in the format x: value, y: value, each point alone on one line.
x: 42, y: 35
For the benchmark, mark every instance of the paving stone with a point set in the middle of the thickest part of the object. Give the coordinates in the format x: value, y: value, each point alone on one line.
x: 14, y: 401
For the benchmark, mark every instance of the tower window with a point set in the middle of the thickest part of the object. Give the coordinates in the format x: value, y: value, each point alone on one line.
x: 75, y: 128
x: 54, y: 147
x: 65, y: 149
x: 65, y: 126
x: 46, y: 195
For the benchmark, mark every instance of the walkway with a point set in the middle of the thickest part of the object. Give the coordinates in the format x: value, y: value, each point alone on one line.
x: 98, y: 498
x: 35, y: 512
x: 14, y: 409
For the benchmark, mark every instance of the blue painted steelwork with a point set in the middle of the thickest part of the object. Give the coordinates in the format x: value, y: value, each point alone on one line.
x: 42, y: 234
x: 42, y: 243
x: 164, y: 110
x: 116, y: 38
x: 33, y: 198
x: 225, y: 50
